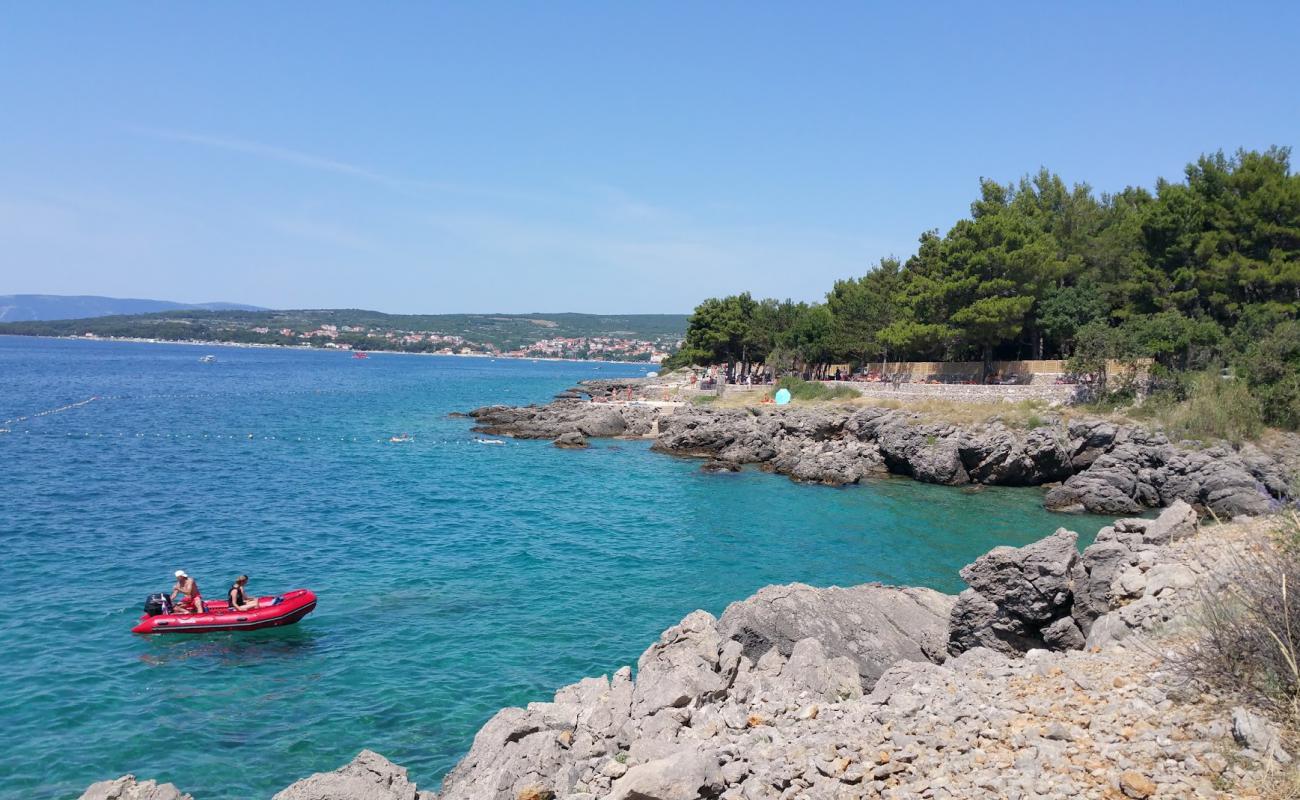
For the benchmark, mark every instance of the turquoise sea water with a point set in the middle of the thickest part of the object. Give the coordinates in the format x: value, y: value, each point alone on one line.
x: 454, y: 577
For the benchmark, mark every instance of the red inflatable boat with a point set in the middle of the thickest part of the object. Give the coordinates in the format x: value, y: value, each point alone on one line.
x: 271, y: 612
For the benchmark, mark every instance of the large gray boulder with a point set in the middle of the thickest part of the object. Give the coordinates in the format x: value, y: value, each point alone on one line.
x: 1143, y: 470
x: 128, y: 788
x: 874, y: 625
x: 370, y: 776
x: 550, y: 749
x: 1109, y: 486
x: 1104, y: 561
x: 1089, y: 438
x: 1215, y: 478
x: 517, y: 749
x: 571, y: 441
x: 810, y: 671
x: 1031, y: 582
x: 683, y: 775
x: 684, y: 667
x: 1112, y: 560
x: 978, y: 622
x: 1019, y: 597
x: 1178, y: 521
x: 1252, y: 731
x: 601, y: 421
x: 997, y: 455
x: 928, y: 453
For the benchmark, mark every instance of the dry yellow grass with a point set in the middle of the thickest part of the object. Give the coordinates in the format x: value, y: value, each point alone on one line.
x: 1022, y: 414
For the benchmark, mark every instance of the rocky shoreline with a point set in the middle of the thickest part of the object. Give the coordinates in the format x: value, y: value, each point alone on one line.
x: 1091, y: 465
x: 1045, y: 678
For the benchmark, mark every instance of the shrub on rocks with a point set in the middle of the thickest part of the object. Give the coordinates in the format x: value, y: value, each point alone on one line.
x: 1248, y: 634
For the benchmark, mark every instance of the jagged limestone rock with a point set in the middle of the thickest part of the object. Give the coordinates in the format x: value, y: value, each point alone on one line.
x: 128, y: 788
x: 370, y: 776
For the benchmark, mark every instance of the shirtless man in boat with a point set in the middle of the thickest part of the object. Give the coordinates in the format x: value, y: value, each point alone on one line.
x: 187, y: 586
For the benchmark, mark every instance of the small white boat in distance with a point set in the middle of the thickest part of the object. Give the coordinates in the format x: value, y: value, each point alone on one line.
x: 489, y: 441
x: 406, y: 437
x: 208, y: 359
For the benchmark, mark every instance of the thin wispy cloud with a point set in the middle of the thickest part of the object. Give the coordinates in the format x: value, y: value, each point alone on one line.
x: 319, y: 163
x: 622, y: 206
x: 321, y: 233
x: 272, y: 152
x: 704, y: 256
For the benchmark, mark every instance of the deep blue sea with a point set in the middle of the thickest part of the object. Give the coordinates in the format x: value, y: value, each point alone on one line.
x: 454, y: 577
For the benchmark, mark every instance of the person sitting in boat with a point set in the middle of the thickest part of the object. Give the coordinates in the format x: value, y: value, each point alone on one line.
x: 238, y: 599
x: 187, y: 586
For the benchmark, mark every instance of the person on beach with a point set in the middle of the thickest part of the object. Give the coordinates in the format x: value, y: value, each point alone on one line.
x: 187, y: 586
x: 238, y: 599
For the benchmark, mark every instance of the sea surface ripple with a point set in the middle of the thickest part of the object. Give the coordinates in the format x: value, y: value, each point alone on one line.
x: 454, y: 577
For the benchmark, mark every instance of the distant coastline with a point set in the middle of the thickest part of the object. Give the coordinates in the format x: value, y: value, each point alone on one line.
x: 261, y: 346
x: 647, y: 338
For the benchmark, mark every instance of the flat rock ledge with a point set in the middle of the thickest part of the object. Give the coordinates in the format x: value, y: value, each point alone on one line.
x: 1091, y: 464
x: 1045, y: 679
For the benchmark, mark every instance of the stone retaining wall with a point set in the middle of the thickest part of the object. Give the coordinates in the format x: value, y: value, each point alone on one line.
x: 1052, y: 393
x: 976, y: 393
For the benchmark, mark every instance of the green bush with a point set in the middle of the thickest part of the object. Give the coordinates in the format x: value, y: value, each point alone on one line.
x: 1207, y: 406
x: 1246, y: 639
x: 1270, y: 366
x: 813, y: 390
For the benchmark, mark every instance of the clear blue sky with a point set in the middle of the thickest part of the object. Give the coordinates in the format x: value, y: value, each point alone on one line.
x: 605, y: 157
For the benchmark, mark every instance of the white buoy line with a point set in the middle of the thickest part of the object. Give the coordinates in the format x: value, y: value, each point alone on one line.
x: 50, y: 411
x: 249, y: 437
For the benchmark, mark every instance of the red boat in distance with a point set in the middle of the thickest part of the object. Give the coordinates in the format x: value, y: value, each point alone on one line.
x: 271, y: 612
x: 359, y: 354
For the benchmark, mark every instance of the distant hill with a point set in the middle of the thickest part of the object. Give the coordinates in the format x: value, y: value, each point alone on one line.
x: 372, y: 330
x: 39, y: 307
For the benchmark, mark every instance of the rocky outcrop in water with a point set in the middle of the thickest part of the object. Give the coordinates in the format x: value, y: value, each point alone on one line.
x: 128, y: 788
x: 1100, y: 467
x: 566, y: 417
x: 1105, y: 468
x: 369, y: 776
x: 571, y: 441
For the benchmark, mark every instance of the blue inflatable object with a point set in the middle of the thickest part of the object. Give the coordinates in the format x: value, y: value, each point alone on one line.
x: 782, y: 396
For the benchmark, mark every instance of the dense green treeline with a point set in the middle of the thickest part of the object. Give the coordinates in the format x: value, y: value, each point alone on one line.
x: 1197, y: 273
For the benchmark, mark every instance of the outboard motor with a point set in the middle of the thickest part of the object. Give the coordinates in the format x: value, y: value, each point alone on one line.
x: 158, y: 603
